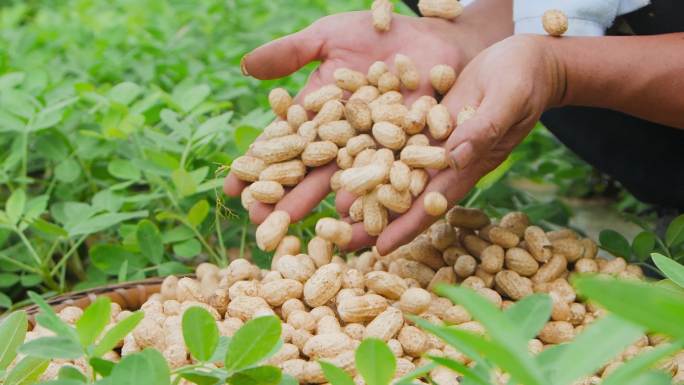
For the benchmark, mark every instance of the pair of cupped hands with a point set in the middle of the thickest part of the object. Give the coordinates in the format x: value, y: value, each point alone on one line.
x: 510, y: 83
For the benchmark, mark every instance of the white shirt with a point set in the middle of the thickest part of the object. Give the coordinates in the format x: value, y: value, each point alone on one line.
x: 585, y: 17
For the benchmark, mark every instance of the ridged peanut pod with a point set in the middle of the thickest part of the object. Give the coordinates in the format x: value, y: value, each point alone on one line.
x: 389, y: 135
x: 435, y: 203
x: 553, y: 269
x: 286, y: 173
x: 327, y: 345
x: 513, y: 285
x: 272, y: 230
x: 442, y: 78
x: 474, y: 244
x: 460, y: 216
x: 278, y: 291
x: 315, y: 100
x: 572, y: 249
x: 445, y: 9
x: 393, y: 113
x: 396, y: 201
x: 335, y: 183
x: 412, y: 269
x: 515, y: 221
x: 442, y: 235
x: 331, y: 111
x: 349, y: 80
x: 361, y: 308
x: 375, y: 71
x: 500, y: 236
x: 387, y: 98
x: 344, y: 160
x: 364, y: 158
x: 386, y: 325
x: 308, y: 130
x: 374, y: 215
x: 323, y: 285
x: 400, y: 176
x: 421, y: 250
x: 381, y: 11
x: 359, y: 180
x: 538, y: 243
x: 466, y: 113
x: 267, y: 191
x: 280, y: 100
x: 388, y: 82
x: 290, y: 245
x: 419, y: 179
x: 555, y: 22
x: 356, y: 210
x: 408, y: 74
x: 413, y: 341
x: 416, y: 118
x: 415, y: 300
x: 557, y: 332
x: 335, y: 231
x: 338, y: 132
x: 279, y: 149
x: 277, y: 129
x: 365, y: 94
x: 520, y: 261
x: 246, y: 198
x: 320, y: 251
x: 319, y: 153
x: 388, y: 285
x: 424, y: 157
x: 418, y: 140
x: 359, y: 143
x: 358, y: 114
x: 296, y: 115
x: 247, y: 168
x: 439, y: 122
x: 492, y: 259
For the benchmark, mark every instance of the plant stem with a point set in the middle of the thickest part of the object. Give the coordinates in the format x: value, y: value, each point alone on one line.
x: 68, y: 254
x: 473, y: 197
x: 20, y: 265
x: 28, y: 245
x: 662, y: 245
x: 243, y: 238
x: 219, y: 236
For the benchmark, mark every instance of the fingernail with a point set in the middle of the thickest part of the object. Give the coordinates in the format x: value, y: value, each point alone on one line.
x: 461, y: 156
x: 243, y: 66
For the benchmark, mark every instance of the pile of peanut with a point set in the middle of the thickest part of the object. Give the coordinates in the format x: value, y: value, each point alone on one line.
x: 361, y: 123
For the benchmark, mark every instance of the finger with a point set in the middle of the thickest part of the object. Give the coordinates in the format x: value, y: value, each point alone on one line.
x: 258, y: 212
x: 360, y: 239
x: 284, y: 56
x: 343, y: 201
x: 308, y: 193
x: 232, y: 186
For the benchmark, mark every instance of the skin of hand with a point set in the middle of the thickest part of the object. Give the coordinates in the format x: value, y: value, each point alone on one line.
x: 428, y: 41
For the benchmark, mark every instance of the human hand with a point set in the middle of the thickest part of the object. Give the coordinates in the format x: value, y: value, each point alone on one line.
x: 349, y: 41
x: 511, y: 83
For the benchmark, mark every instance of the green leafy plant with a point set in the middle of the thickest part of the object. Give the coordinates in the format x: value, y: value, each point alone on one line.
x: 647, y: 242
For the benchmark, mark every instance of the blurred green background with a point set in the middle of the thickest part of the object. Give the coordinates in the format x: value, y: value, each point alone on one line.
x: 118, y: 119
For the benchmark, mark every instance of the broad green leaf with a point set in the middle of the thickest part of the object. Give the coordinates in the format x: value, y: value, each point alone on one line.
x: 672, y: 270
x: 615, y: 243
x: 650, y: 378
x: 643, y: 244
x: 67, y: 170
x: 185, y: 184
x: 260, y: 375
x: 219, y: 354
x: 335, y: 375
x: 252, y: 342
x: 583, y: 356
x: 103, y: 221
x: 375, y: 362
x: 187, y: 249
x: 656, y: 308
x: 49, y: 228
x: 63, y: 382
x: 444, y: 334
x: 93, y: 321
x: 124, y: 93
x: 288, y: 380
x: 8, y: 280
x: 213, y: 125
x: 244, y: 136
x: 12, y: 334
x: 173, y: 268
x: 101, y: 366
x: 200, y: 333
x: 201, y: 378
x: 27, y: 371
x: 150, y: 241
x: 5, y: 301
x: 117, y: 333
x: 189, y: 98
x: 458, y: 367
x: 198, y: 213
x: 14, y: 206
x: 35, y: 207
x: 416, y: 373
x: 675, y: 232
x: 53, y: 347
x: 110, y: 258
x: 177, y: 234
x: 639, y: 364
x: 530, y: 314
x: 30, y: 280
x: 147, y: 367
x: 71, y: 373
x: 123, y: 169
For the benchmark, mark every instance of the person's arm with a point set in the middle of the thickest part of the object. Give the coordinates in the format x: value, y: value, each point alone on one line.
x: 637, y: 75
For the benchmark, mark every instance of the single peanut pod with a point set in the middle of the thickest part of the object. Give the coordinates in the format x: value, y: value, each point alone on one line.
x: 289, y: 245
x: 451, y: 254
x: 465, y: 266
x: 315, y: 100
x: 278, y: 291
x: 408, y: 73
x: 328, y: 324
x: 439, y: 122
x: 308, y: 130
x: 515, y: 221
x: 375, y: 71
x: 418, y: 140
x: 335, y: 183
x: 442, y: 235
x: 388, y: 285
x: 412, y: 269
x: 267, y: 191
x: 359, y: 180
x: 555, y: 22
x: 442, y: 77
x: 387, y: 98
x: 358, y: 114
x: 278, y: 149
x: 443, y: 276
x: 500, y: 236
x: 538, y: 244
x: 244, y: 307
x: 422, y: 250
x: 400, y: 176
x: 492, y: 259
x: 299, y: 267
x: 520, y: 261
x: 513, y: 285
x: 486, y: 277
x: 467, y: 218
x: 590, y: 248
x: 466, y: 113
x: 417, y: 115
x: 586, y: 265
x: 338, y: 132
x: 555, y: 235
x: 364, y: 158
x: 272, y: 230
x: 551, y: 270
x: 445, y: 9
x: 381, y: 11
x: 335, y: 231
x: 435, y: 203
x: 319, y: 153
x: 396, y: 201
x: 389, y: 135
x: 246, y: 198
x: 415, y: 300
x: 388, y: 82
x: 296, y: 115
x: 557, y: 332
x: 280, y: 100
x: 277, y: 129
x: 386, y: 325
x: 424, y: 157
x: 331, y: 111
x: 374, y: 215
x: 320, y: 251
x: 349, y: 80
x: 356, y: 210
x: 327, y: 345
x: 323, y: 285
x: 384, y: 157
x: 413, y: 341
x: 419, y: 179
x: 247, y: 168
x: 572, y: 249
x: 474, y: 244
x: 344, y: 160
x: 393, y: 113
x: 361, y: 308
x: 359, y: 143
x: 365, y: 94
x: 286, y: 173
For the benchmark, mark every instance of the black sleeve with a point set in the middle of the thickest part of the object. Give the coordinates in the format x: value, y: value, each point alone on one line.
x: 413, y: 4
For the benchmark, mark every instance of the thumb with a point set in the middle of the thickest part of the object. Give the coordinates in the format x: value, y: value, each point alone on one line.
x: 284, y: 56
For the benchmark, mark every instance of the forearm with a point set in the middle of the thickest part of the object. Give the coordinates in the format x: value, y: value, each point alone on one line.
x: 638, y: 75
x: 492, y: 19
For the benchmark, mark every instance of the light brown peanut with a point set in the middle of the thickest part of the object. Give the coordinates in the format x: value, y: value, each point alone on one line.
x: 319, y: 153
x: 381, y: 11
x: 272, y: 230
x: 247, y: 168
x: 435, y: 203
x: 315, y: 100
x: 267, y: 191
x: 408, y: 73
x: 280, y: 100
x: 442, y: 77
x: 424, y: 157
x: 445, y: 9
x: 287, y: 173
x: 323, y: 285
x: 279, y: 149
x: 439, y: 122
x: 338, y: 132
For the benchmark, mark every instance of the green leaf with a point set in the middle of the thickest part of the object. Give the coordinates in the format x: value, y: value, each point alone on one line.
x: 219, y: 354
x: 49, y: 228
x: 288, y: 380
x: 27, y: 371
x: 198, y: 213
x: 252, y: 342
x: 123, y: 169
x: 261, y: 375
x: 8, y: 280
x: 458, y: 367
x: 103, y: 221
x: 110, y: 258
x: 615, y: 243
x: 5, y: 301
x: 643, y: 244
x: 444, y: 333
x: 375, y: 362
x: 52, y: 347
x: 101, y: 366
x: 201, y: 378
x: 530, y: 313
x: 244, y: 136
x: 495, y: 175
x: 672, y: 270
x: 117, y: 333
x: 150, y: 241
x: 583, y: 356
x: 335, y: 375
x: 675, y: 232
x: 657, y: 308
x: 639, y: 364
x: 14, y: 206
x: 93, y: 321
x: 67, y: 170
x: 30, y: 280
x: 184, y: 182
x: 650, y: 378
x: 187, y: 249
x: 416, y: 373
x: 200, y: 333
x: 71, y: 373
x: 189, y: 98
x: 147, y: 367
x: 124, y: 93
x: 12, y: 334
